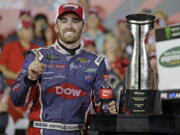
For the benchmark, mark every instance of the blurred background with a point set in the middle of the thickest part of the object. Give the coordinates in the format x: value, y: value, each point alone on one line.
x: 110, y: 10
x: 28, y: 24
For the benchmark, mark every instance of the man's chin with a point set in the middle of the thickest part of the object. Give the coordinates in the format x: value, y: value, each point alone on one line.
x: 70, y: 42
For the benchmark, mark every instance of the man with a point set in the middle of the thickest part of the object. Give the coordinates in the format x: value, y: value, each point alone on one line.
x: 43, y: 34
x: 93, y: 30
x: 13, y: 54
x: 60, y: 79
x: 24, y: 15
x: 12, y: 59
x: 89, y: 45
x: 4, y: 93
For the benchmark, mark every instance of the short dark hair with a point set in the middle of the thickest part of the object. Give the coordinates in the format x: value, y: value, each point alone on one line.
x: 41, y: 16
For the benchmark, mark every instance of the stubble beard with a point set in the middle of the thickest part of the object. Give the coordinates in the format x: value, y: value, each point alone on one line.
x: 69, y: 39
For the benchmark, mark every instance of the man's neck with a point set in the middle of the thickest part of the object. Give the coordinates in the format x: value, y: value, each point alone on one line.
x: 71, y: 51
x: 70, y: 46
x: 38, y: 33
x: 24, y: 44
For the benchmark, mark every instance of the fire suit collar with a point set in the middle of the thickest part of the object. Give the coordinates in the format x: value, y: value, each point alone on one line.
x: 61, y: 50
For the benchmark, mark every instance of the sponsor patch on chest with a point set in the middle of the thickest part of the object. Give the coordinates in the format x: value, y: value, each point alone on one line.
x: 52, y: 57
x: 67, y: 91
x: 82, y: 60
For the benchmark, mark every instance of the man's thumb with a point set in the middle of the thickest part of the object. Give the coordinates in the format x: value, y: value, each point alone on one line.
x: 37, y: 56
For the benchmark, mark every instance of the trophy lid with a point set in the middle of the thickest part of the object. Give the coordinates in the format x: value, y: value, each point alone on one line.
x: 140, y: 18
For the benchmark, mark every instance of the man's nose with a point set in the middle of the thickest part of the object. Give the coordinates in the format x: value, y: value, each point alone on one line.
x: 69, y: 24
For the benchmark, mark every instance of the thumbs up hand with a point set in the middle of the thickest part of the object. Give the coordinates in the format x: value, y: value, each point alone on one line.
x: 35, y: 68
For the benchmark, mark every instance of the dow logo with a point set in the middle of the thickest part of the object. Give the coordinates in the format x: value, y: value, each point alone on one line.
x: 170, y: 58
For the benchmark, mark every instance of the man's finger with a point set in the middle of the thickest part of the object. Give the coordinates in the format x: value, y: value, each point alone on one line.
x: 113, y: 110
x: 112, y: 107
x: 37, y: 56
x: 42, y: 66
x: 112, y: 103
x: 34, y: 72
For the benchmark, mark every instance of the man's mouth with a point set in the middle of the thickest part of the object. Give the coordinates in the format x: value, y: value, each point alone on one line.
x: 69, y: 32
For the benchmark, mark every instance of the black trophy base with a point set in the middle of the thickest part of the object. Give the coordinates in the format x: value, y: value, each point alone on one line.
x: 134, y: 124
x: 140, y: 102
x: 171, y: 106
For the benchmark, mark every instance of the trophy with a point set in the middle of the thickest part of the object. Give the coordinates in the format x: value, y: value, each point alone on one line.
x: 139, y: 73
x: 139, y: 94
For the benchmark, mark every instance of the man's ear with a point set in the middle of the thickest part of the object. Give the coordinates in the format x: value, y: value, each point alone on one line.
x: 56, y: 28
x: 84, y: 28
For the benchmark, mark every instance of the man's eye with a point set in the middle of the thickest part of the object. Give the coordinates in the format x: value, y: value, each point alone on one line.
x: 63, y: 20
x: 76, y: 20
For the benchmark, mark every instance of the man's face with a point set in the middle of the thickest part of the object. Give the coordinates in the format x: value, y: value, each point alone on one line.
x: 26, y: 34
x: 40, y: 25
x: 26, y: 17
x: 92, y: 21
x: 69, y: 27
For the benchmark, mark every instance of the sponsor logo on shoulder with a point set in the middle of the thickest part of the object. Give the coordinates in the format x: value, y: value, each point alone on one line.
x: 67, y: 91
x: 99, y: 59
